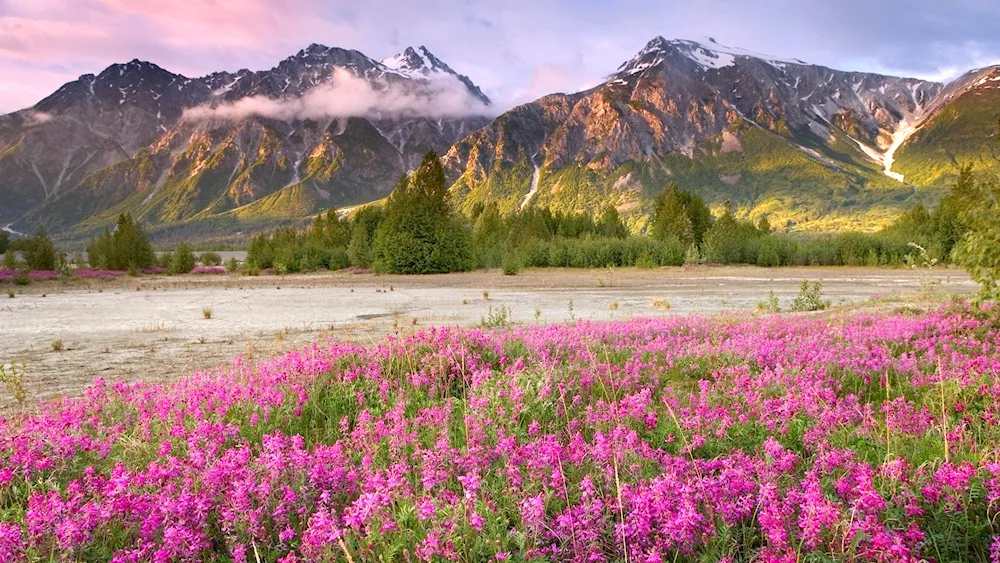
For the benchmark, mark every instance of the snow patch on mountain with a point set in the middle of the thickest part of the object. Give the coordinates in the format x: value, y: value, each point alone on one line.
x: 706, y: 53
x: 533, y: 189
x: 719, y: 55
x: 417, y: 63
x: 7, y: 229
x: 899, y: 136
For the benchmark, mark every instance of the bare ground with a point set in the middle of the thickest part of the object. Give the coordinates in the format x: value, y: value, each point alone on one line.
x: 155, y: 328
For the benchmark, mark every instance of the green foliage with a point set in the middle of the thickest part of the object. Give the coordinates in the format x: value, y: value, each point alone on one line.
x: 496, y: 237
x: 730, y: 241
x: 962, y: 131
x: 288, y: 250
x: 692, y: 255
x: 63, y: 266
x: 127, y: 248
x: 183, y: 260
x: 681, y: 215
x: 773, y: 250
x: 232, y: 265
x: 610, y: 224
x: 511, y: 264
x: 590, y: 252
x: 210, y: 258
x: 979, y: 248
x: 4, y: 241
x: 421, y: 233
x: 12, y: 378
x: 165, y: 260
x: 496, y: 318
x: 38, y: 251
x: 366, y: 222
x: 771, y: 305
x: 810, y: 297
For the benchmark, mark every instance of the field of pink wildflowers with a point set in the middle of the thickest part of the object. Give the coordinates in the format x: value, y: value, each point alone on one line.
x: 858, y: 437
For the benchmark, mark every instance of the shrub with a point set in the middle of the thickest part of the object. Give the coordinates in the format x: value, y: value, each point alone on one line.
x: 604, y: 253
x: 810, y: 297
x: 232, y: 265
x: 730, y: 241
x: 692, y: 256
x: 12, y: 377
x: 366, y: 223
x: 977, y: 249
x: 771, y: 305
x: 210, y: 259
x: 38, y: 251
x: 288, y: 250
x: 183, y: 259
x: 496, y: 318
x: 511, y: 264
x: 774, y: 250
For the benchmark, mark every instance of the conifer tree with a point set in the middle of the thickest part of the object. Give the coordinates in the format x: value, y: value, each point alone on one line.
x: 421, y: 233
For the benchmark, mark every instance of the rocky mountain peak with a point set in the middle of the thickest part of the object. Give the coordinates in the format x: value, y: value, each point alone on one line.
x: 705, y: 53
x: 419, y: 62
x: 987, y: 78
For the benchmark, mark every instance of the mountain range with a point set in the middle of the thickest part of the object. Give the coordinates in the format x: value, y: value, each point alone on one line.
x: 812, y: 148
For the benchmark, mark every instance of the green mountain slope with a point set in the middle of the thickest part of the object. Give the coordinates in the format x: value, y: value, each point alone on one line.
x: 962, y: 132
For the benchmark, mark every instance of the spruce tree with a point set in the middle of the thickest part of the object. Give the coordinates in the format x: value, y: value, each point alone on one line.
x: 681, y: 215
x: 366, y: 222
x: 39, y: 252
x: 126, y: 248
x: 421, y: 233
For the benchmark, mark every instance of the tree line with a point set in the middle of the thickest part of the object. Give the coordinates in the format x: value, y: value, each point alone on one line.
x: 419, y: 231
x: 125, y: 247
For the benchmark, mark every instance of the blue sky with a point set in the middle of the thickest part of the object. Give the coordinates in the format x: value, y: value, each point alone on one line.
x: 516, y: 50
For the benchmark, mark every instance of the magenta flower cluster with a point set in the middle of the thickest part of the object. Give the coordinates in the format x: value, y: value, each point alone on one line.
x: 209, y: 270
x: 780, y: 439
x: 33, y: 275
x: 89, y: 274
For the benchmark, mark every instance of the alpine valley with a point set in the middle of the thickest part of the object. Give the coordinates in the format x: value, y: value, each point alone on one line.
x: 812, y: 148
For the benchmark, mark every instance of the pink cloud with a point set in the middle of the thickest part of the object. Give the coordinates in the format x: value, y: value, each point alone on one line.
x: 31, y: 85
x: 45, y: 43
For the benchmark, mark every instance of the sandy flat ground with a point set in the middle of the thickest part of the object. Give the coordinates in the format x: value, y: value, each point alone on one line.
x: 154, y: 328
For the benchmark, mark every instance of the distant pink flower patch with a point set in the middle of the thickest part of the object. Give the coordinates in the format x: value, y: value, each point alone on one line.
x: 33, y: 275
x: 211, y: 270
x: 90, y: 274
x: 43, y: 275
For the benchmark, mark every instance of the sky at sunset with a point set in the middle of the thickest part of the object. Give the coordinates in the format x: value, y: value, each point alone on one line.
x: 516, y: 50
